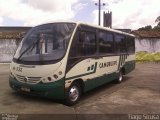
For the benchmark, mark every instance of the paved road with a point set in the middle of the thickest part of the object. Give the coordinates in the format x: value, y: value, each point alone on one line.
x: 139, y: 93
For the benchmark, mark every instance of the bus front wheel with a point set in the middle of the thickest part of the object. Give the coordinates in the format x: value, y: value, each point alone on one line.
x: 73, y: 94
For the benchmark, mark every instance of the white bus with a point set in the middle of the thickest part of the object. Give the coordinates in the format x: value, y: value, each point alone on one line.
x: 62, y: 60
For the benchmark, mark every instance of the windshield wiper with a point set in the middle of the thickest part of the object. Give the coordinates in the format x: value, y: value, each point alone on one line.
x: 27, y: 49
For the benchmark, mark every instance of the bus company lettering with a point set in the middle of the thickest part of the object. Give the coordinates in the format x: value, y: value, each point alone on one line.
x: 107, y: 64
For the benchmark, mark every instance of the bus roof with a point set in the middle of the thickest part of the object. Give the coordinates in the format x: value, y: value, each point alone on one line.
x: 104, y: 28
x: 93, y: 25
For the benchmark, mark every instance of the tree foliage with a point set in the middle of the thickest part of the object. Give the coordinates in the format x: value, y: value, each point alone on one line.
x: 149, y: 27
x: 158, y: 19
x: 146, y: 28
x: 157, y: 27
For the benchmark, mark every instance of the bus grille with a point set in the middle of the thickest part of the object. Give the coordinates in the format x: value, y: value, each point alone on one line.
x: 30, y: 80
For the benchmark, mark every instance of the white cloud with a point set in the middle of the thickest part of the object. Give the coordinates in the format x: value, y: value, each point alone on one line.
x: 132, y: 14
x: 107, y: 1
x: 95, y: 15
x: 79, y: 6
x: 126, y: 13
x: 74, y: 1
x: 37, y: 11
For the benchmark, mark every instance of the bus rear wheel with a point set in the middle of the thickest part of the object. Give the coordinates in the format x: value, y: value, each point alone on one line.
x: 73, y: 94
x: 120, y: 77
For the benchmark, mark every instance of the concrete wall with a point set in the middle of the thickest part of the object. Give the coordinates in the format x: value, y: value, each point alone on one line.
x: 149, y: 45
x: 10, y: 38
x: 7, y: 49
x: 9, y: 46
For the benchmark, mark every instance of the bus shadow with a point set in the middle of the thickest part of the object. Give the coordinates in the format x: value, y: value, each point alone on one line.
x: 35, y: 99
x: 100, y: 90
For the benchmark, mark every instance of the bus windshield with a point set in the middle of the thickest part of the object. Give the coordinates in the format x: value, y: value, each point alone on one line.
x: 45, y: 42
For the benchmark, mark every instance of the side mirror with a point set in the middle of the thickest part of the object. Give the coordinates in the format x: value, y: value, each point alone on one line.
x: 82, y: 37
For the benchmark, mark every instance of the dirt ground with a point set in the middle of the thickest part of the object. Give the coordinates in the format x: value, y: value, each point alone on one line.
x: 136, y: 98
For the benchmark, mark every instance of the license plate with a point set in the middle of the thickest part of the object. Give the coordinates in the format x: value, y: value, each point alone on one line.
x: 25, y: 89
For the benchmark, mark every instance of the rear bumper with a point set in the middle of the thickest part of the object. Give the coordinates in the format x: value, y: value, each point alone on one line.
x: 54, y: 90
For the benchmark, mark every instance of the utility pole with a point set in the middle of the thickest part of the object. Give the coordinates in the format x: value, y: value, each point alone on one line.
x: 99, y: 15
x: 99, y: 12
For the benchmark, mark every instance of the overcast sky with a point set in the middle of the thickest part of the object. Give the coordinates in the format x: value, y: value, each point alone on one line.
x: 130, y: 14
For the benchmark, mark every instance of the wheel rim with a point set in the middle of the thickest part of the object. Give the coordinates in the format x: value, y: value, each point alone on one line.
x: 120, y: 77
x: 74, y: 93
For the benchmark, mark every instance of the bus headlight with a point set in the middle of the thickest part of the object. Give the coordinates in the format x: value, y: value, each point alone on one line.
x: 51, y: 78
x: 47, y: 80
x: 60, y: 72
x: 55, y: 76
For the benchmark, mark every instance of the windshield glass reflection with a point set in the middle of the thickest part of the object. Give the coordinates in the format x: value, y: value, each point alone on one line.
x: 45, y: 42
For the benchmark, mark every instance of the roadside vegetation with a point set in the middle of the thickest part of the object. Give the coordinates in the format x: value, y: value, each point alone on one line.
x: 142, y: 57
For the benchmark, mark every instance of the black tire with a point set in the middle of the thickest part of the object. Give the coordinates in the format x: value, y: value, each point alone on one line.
x: 73, y: 94
x: 120, y: 77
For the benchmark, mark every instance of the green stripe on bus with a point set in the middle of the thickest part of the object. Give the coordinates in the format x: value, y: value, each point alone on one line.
x: 94, y: 71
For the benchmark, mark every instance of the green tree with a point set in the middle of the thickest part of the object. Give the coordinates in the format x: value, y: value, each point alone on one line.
x: 157, y: 28
x: 158, y: 19
x: 149, y: 27
x: 146, y: 28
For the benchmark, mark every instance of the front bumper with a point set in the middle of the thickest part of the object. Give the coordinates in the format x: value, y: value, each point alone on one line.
x: 54, y: 90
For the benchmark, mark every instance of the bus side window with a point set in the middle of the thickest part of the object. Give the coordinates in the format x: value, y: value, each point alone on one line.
x: 123, y: 48
x: 120, y: 43
x: 74, y: 49
x: 130, y: 45
x: 87, y: 43
x: 83, y: 45
x: 105, y: 42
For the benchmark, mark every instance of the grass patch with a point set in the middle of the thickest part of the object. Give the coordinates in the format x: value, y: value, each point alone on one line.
x: 147, y: 57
